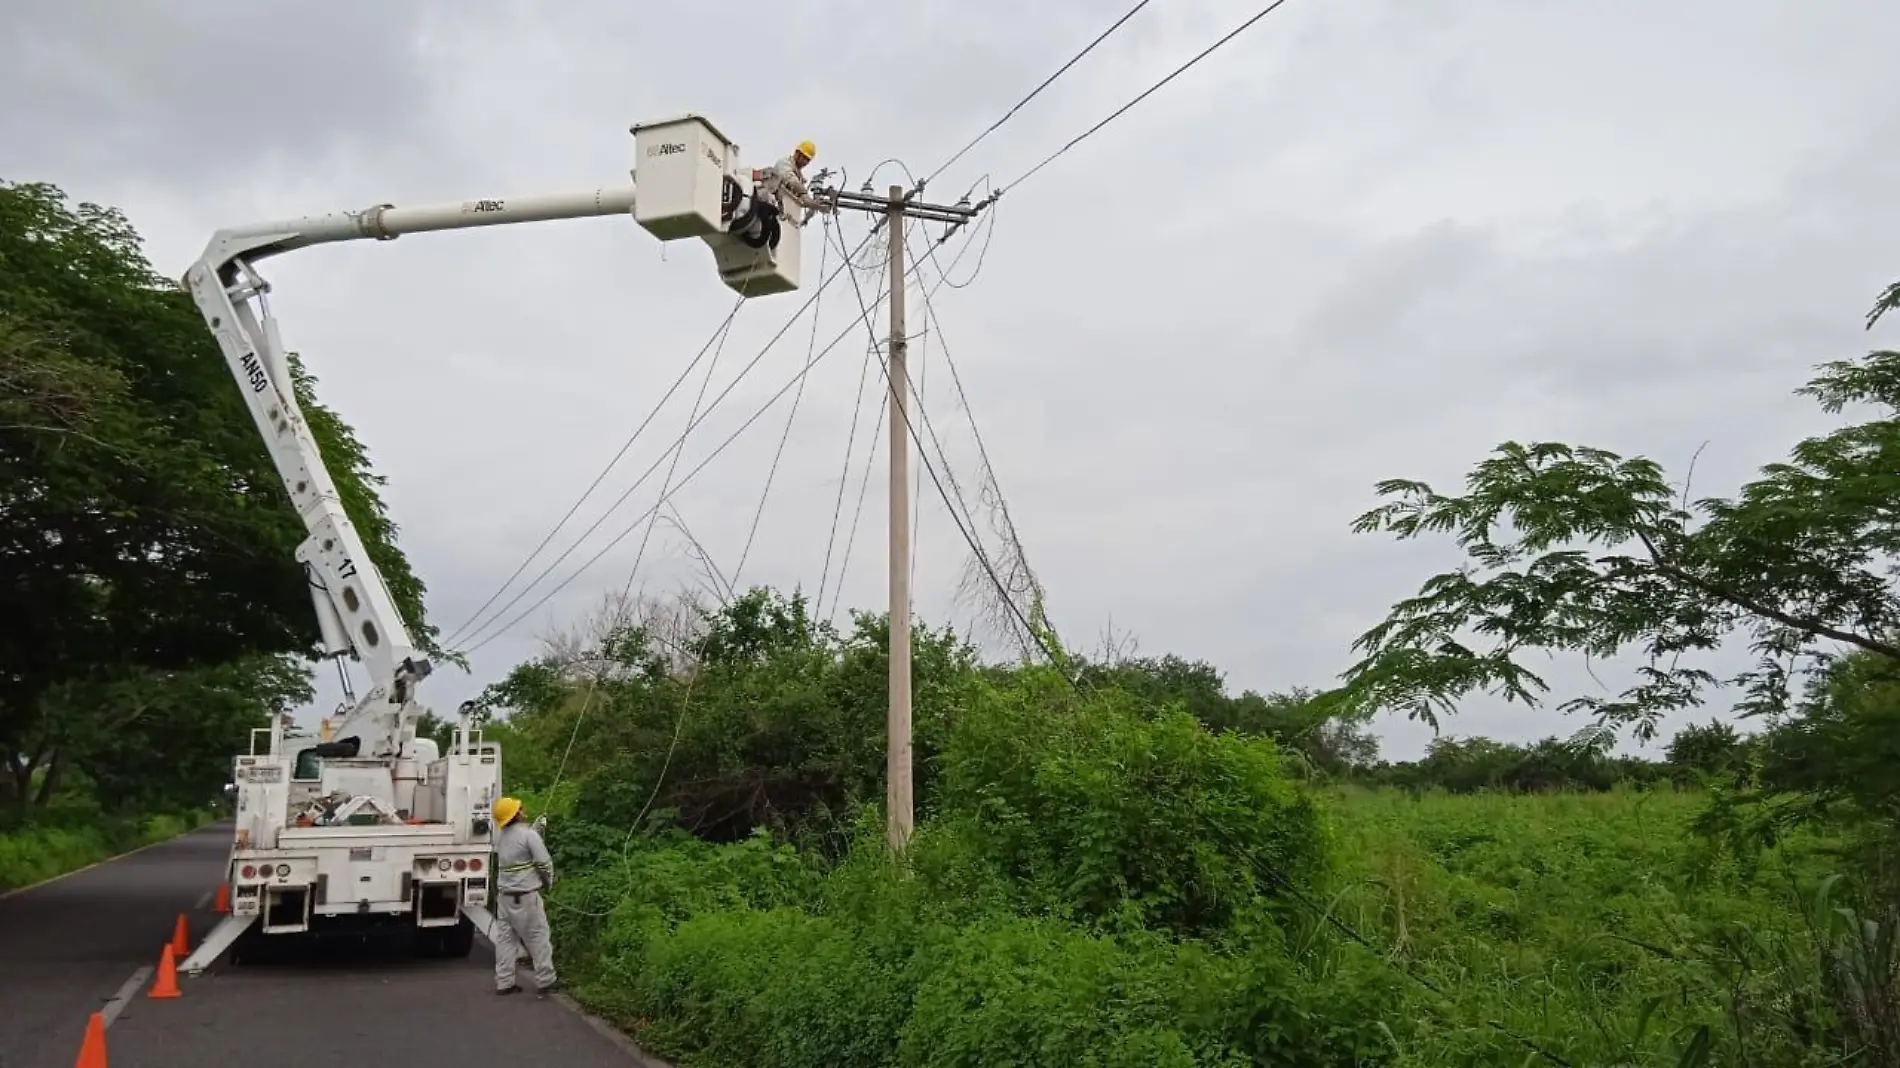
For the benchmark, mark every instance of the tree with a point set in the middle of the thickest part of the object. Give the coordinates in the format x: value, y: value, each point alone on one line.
x: 143, y: 528
x: 1330, y: 735
x: 1581, y: 550
x: 1706, y: 749
x: 150, y: 740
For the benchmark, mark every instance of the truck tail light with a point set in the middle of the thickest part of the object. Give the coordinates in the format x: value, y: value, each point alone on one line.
x: 248, y: 871
x: 461, y: 865
x: 474, y: 864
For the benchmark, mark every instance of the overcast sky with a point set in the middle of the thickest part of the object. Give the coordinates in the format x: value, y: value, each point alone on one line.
x: 1369, y: 238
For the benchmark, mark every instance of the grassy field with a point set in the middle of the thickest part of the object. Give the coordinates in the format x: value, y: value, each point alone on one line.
x: 1595, y: 923
x: 1497, y: 930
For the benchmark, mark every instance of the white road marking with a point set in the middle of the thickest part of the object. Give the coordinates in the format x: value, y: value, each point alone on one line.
x: 204, y: 902
x: 117, y: 1003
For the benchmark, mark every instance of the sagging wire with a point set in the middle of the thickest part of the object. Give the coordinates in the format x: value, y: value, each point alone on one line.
x: 845, y: 475
x: 784, y: 436
x: 679, y: 723
x: 952, y: 504
x: 638, y: 482
x: 988, y: 477
x: 844, y: 478
x: 717, y: 336
x: 692, y: 679
x: 593, y: 680
x: 679, y: 449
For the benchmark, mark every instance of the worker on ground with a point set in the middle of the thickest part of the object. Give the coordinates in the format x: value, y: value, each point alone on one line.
x: 524, y: 871
x: 782, y: 192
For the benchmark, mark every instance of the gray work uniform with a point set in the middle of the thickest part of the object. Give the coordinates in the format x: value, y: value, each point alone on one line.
x: 784, y: 187
x: 523, y: 869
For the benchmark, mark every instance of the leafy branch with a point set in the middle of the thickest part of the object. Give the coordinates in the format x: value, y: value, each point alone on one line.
x: 1581, y: 550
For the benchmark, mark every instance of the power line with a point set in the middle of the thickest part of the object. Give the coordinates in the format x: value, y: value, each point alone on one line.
x: 983, y: 453
x: 593, y: 682
x: 824, y: 252
x: 1124, y: 109
x: 871, y: 458
x: 917, y: 187
x: 923, y: 454
x: 688, y: 477
x: 673, y: 450
x: 924, y: 413
x: 998, y: 124
x: 857, y: 513
x: 983, y: 250
x: 638, y: 482
x: 738, y: 570
x: 844, y: 478
x: 717, y: 336
x: 679, y: 450
x: 1033, y: 93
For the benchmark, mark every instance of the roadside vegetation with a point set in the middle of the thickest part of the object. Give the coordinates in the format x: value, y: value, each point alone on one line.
x: 1118, y: 860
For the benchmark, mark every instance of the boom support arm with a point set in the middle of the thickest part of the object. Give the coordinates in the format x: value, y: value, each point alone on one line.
x: 355, y: 611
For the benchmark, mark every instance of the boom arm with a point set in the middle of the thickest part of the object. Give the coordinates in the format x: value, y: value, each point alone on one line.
x: 355, y: 611
x: 689, y: 168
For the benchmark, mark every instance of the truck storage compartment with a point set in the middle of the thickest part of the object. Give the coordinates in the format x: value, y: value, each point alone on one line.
x: 439, y: 903
x: 286, y: 909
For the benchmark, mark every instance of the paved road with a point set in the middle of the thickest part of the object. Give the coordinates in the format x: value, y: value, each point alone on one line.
x: 72, y: 945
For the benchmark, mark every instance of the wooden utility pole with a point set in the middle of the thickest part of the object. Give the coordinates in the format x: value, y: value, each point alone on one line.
x: 900, y: 817
x: 898, y: 208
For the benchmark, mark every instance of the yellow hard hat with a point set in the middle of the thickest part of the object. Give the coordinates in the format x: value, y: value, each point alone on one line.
x: 506, y: 809
x: 808, y: 150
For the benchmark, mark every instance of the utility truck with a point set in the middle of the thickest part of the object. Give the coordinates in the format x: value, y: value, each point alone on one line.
x: 364, y: 827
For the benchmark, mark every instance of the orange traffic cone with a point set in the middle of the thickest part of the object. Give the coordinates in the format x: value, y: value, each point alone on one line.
x: 166, y: 985
x: 181, y: 938
x: 92, y: 1051
x: 222, y: 906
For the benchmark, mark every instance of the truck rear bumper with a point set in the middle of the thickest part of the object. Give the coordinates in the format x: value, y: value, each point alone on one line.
x: 423, y: 876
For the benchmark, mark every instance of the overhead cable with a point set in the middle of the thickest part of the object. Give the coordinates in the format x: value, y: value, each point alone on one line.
x: 1033, y: 93
x: 473, y: 634
x: 684, y: 480
x: 718, y: 335
x: 1145, y: 93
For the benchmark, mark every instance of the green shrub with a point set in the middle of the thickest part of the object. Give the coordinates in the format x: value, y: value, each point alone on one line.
x: 1089, y: 810
x: 775, y: 989
x: 1041, y: 993
x: 603, y: 917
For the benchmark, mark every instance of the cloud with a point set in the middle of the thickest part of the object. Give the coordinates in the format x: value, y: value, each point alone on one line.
x: 1362, y: 241
x: 190, y: 90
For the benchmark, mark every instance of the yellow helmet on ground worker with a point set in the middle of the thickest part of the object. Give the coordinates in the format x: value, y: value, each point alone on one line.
x: 807, y: 150
x: 506, y: 809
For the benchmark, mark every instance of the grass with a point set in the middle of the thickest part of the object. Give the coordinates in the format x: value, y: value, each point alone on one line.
x: 1595, y: 924
x: 36, y: 852
x: 1508, y: 930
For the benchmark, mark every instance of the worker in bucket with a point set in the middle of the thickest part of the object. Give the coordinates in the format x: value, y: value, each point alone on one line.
x: 780, y: 185
x: 524, y: 871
